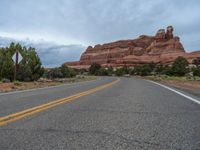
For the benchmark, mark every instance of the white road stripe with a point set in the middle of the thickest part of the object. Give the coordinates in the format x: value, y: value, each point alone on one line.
x: 177, y: 92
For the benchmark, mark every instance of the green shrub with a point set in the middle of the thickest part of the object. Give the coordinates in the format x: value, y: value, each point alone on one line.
x: 179, y: 67
x: 143, y: 70
x: 17, y: 83
x: 196, y: 61
x: 125, y: 70
x: 122, y: 71
x: 60, y: 72
x: 110, y: 71
x: 82, y: 71
x: 66, y: 71
x: 160, y: 69
x: 196, y: 72
x: 72, y: 72
x: 119, y: 72
x: 54, y: 73
x: 94, y: 68
x: 7, y: 70
x: 102, y: 72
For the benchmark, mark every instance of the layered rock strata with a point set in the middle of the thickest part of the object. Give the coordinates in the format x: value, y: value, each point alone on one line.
x: 163, y: 48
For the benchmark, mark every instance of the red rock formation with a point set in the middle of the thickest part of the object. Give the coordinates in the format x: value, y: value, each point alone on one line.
x: 169, y: 34
x: 160, y: 35
x: 161, y: 48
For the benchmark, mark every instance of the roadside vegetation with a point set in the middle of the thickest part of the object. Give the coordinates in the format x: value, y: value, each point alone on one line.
x: 41, y: 83
x: 60, y: 72
x: 30, y: 73
x: 179, y: 69
x: 179, y: 74
x: 30, y: 68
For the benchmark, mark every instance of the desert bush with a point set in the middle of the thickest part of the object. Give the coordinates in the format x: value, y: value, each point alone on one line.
x: 102, y: 72
x: 94, y: 68
x: 67, y: 72
x: 196, y: 62
x: 196, y: 71
x: 143, y: 70
x: 54, y: 73
x: 60, y: 72
x: 179, y: 67
x: 119, y: 72
x: 17, y: 83
x: 110, y: 71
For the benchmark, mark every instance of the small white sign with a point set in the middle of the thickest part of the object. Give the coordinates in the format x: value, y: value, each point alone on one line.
x: 19, y: 58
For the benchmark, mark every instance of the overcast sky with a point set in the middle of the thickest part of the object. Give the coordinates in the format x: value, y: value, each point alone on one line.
x: 61, y: 29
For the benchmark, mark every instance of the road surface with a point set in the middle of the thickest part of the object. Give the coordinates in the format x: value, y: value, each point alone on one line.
x: 108, y: 113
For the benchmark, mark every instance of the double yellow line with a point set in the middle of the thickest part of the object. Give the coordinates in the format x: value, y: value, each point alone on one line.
x: 19, y: 115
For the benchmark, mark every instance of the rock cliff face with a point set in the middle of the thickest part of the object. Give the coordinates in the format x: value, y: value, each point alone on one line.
x: 161, y: 48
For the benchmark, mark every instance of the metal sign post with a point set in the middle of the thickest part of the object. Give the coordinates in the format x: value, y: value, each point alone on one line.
x: 16, y: 58
x: 16, y: 65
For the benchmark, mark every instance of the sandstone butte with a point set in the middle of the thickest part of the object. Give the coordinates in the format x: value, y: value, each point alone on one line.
x: 163, y: 48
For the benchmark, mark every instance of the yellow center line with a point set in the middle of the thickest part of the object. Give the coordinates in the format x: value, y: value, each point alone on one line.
x: 19, y: 115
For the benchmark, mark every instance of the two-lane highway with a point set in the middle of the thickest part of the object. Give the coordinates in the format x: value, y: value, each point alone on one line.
x: 104, y: 114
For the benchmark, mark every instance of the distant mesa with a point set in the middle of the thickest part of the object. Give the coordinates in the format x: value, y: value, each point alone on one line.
x: 163, y: 48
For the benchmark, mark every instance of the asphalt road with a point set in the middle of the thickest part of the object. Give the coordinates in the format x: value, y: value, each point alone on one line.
x: 130, y: 114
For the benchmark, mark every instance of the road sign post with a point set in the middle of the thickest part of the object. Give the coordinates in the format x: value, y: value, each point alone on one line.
x: 16, y: 58
x: 16, y: 65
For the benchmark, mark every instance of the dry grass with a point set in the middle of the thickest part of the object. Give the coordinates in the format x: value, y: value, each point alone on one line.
x: 16, y: 86
x: 191, y: 85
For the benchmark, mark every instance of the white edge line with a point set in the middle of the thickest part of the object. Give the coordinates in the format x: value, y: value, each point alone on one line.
x: 177, y: 92
x: 50, y: 87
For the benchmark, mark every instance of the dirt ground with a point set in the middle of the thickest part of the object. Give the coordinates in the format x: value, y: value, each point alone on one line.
x: 192, y: 87
x: 16, y: 86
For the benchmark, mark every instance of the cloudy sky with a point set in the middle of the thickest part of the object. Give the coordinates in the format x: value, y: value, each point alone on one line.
x: 62, y: 29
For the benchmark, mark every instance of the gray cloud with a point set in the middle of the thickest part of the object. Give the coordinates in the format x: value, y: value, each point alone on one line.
x: 51, y: 54
x: 88, y: 22
x: 57, y: 55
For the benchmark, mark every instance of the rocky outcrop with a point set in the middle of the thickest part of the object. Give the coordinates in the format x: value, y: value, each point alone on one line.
x: 164, y: 47
x: 160, y: 35
x: 169, y: 34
